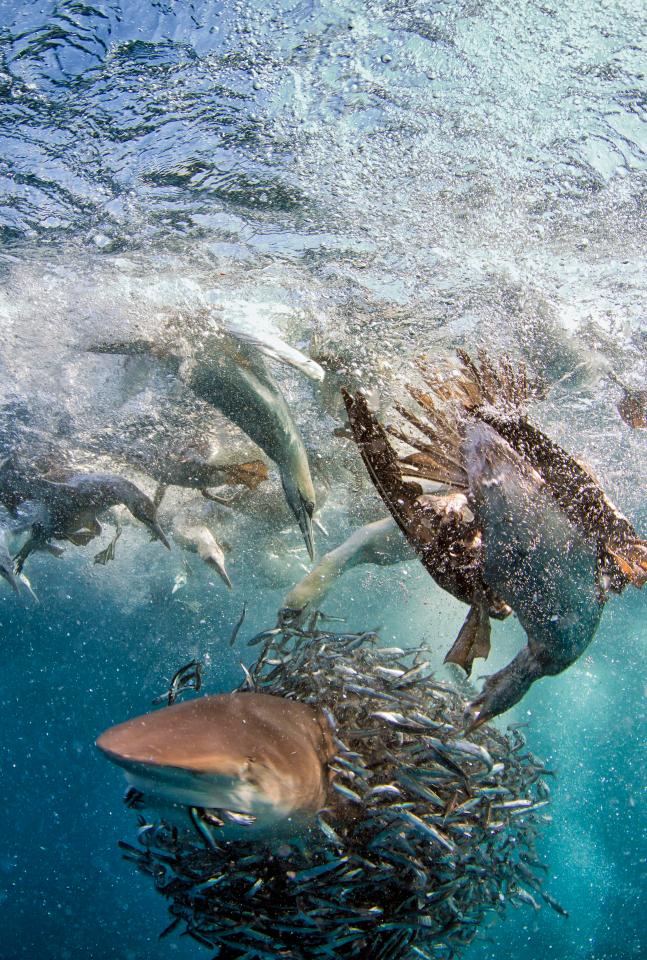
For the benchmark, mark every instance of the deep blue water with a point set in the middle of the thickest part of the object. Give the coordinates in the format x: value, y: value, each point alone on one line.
x: 376, y: 179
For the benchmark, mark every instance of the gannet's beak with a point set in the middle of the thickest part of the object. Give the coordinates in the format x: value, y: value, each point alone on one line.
x: 219, y: 566
x: 157, y: 532
x: 304, y: 518
x: 477, y: 716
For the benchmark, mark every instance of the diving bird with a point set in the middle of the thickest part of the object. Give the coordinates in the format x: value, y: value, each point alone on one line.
x: 523, y: 525
x: 191, y: 533
x: 248, y: 753
x: 540, y: 562
x: 66, y: 508
x: 227, y: 370
x: 379, y: 542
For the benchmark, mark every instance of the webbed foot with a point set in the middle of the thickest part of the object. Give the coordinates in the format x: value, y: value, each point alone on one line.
x: 473, y: 639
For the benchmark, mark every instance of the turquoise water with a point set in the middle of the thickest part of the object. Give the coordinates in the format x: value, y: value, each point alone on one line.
x: 369, y: 180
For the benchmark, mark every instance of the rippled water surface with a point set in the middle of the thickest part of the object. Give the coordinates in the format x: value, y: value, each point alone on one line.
x: 368, y: 180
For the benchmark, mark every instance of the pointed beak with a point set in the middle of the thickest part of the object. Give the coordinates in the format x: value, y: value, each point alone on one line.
x: 158, y: 533
x: 304, y: 518
x: 222, y: 571
x: 291, y: 616
x: 477, y: 717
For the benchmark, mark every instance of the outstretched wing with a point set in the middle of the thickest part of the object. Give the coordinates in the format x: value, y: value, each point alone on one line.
x: 447, y: 543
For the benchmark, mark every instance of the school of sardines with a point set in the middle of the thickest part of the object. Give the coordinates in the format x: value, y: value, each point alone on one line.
x: 342, y: 802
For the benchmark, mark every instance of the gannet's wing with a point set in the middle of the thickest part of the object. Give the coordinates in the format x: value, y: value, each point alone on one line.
x: 274, y: 348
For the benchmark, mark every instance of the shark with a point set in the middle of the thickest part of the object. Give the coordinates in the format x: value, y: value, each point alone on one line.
x: 245, y: 753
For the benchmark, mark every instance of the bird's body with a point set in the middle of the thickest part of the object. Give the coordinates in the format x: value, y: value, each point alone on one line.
x: 537, y: 534
x: 228, y: 371
x: 66, y: 508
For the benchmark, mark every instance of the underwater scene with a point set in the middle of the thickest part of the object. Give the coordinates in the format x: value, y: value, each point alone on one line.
x: 323, y: 516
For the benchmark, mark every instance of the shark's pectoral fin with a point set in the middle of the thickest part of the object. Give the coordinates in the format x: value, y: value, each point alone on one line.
x: 473, y: 639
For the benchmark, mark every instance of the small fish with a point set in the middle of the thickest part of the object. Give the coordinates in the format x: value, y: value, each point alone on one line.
x: 554, y: 904
x: 427, y: 829
x: 237, y: 626
x: 305, y: 876
x: 329, y: 833
x: 347, y: 793
x: 396, y: 720
x: 413, y: 673
x: 208, y: 884
x: 197, y: 819
x: 426, y: 721
x: 188, y: 677
x: 383, y: 790
x: 359, y: 771
x: 526, y: 897
x: 411, y: 784
x: 250, y: 683
x: 171, y: 927
x: 240, y: 819
x: 513, y: 805
x: 264, y: 635
x: 543, y: 789
x: 370, y: 692
x: 180, y: 581
x: 389, y: 673
x: 198, y: 938
x: 471, y: 750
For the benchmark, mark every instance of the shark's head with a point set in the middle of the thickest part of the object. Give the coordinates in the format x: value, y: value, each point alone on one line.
x: 243, y: 752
